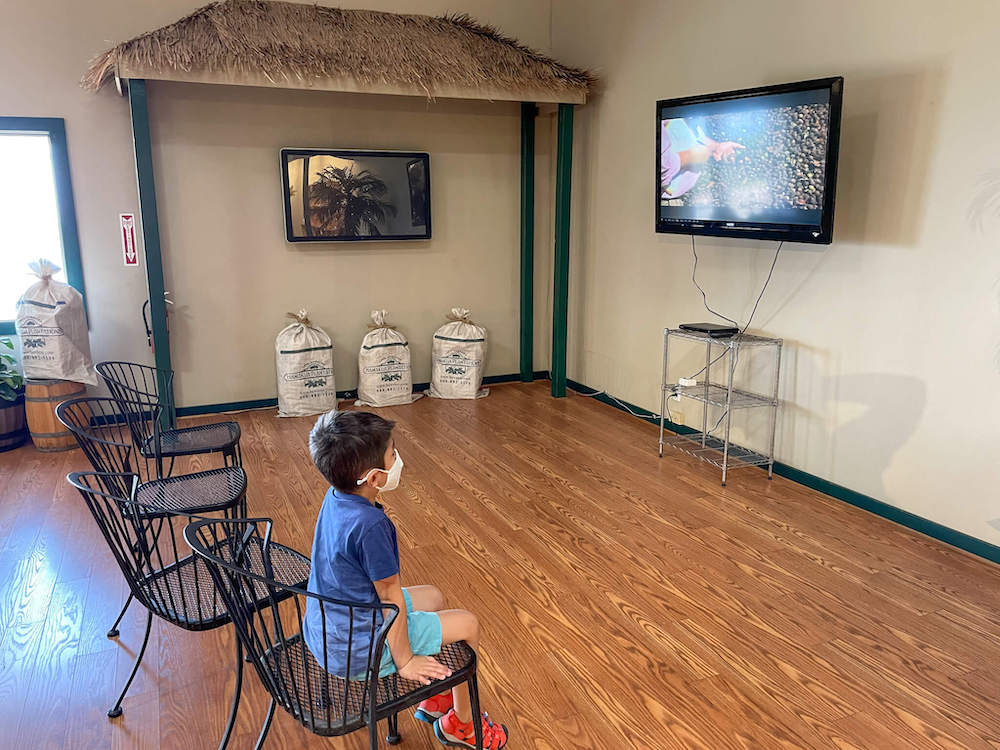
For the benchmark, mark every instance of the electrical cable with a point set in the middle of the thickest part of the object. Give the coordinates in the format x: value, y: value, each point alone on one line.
x: 704, y: 297
x: 763, y: 288
x: 753, y: 312
x: 622, y: 404
x: 725, y: 351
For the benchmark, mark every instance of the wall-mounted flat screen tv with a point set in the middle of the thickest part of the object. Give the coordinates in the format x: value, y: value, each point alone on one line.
x: 759, y: 163
x: 338, y: 195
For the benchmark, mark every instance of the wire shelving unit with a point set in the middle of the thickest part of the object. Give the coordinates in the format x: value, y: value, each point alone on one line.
x: 703, y: 445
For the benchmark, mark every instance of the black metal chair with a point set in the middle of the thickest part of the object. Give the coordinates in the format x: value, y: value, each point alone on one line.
x: 324, y: 702
x: 105, y: 433
x: 164, y: 577
x: 145, y: 391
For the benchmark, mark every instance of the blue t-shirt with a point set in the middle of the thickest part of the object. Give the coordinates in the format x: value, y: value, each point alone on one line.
x: 354, y: 545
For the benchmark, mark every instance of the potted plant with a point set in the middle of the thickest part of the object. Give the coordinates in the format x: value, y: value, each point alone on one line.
x: 13, y: 426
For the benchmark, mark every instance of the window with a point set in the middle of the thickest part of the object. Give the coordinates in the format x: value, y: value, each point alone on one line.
x: 37, y: 216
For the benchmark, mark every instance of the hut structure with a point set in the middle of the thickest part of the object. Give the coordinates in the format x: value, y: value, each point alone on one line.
x: 289, y: 45
x: 296, y: 46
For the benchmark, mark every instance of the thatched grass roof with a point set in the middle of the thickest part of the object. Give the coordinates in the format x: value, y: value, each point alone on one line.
x: 288, y: 45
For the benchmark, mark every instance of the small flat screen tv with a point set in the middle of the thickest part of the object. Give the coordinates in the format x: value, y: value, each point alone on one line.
x: 337, y: 195
x: 759, y: 163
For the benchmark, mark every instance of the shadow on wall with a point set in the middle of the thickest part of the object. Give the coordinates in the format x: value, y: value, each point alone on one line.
x: 888, y: 133
x: 984, y: 213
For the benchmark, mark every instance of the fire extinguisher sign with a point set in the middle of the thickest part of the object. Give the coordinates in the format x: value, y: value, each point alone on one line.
x: 129, y: 252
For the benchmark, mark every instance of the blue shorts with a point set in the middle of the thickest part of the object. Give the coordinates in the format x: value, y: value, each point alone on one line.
x: 425, y: 635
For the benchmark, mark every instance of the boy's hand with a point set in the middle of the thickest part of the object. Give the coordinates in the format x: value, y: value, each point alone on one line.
x: 423, y: 669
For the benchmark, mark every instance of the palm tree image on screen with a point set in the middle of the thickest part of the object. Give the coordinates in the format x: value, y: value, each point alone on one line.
x: 343, y: 202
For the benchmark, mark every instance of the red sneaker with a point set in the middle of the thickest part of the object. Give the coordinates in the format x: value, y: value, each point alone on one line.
x: 454, y: 733
x: 434, y: 707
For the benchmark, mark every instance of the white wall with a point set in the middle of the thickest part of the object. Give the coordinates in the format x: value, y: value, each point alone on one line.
x: 215, y: 152
x: 890, y: 382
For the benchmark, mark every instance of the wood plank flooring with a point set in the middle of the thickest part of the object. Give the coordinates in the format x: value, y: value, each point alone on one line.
x: 627, y: 601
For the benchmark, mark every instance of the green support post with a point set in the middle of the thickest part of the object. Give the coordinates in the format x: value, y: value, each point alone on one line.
x: 528, y: 112
x: 560, y: 297
x: 151, y: 240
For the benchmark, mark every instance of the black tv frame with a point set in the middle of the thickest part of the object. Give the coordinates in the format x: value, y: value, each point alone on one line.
x: 347, y: 154
x: 807, y: 233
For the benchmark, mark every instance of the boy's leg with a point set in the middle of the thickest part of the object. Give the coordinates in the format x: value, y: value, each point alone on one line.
x: 426, y: 598
x: 460, y: 625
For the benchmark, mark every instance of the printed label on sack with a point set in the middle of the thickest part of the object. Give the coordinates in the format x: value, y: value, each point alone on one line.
x: 457, y: 363
x: 393, y: 375
x: 455, y: 369
x: 313, y: 371
x: 32, y: 327
x: 33, y: 335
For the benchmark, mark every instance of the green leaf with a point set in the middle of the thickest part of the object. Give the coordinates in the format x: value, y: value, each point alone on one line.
x: 7, y: 393
x: 8, y: 343
x: 7, y: 358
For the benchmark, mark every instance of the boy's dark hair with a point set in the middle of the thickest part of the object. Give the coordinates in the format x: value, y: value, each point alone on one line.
x: 345, y: 444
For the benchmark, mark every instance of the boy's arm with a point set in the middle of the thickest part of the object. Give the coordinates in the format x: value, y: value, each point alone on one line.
x: 420, y: 669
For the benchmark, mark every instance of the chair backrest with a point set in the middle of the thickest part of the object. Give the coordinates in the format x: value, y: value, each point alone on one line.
x: 269, y: 615
x: 104, y: 432
x: 144, y: 391
x: 148, y: 546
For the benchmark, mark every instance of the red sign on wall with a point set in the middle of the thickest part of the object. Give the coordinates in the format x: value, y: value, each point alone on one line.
x: 129, y: 252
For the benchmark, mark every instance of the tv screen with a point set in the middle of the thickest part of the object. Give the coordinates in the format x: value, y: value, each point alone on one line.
x: 758, y: 163
x: 332, y: 195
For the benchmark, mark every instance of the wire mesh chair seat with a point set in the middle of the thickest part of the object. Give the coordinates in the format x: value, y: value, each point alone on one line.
x: 333, y: 706
x: 202, y: 492
x: 137, y: 388
x: 325, y: 698
x: 183, y: 592
x: 104, y: 432
x: 218, y: 437
x: 164, y: 576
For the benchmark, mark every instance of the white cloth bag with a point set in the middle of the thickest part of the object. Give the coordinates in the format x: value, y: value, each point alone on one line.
x: 52, y: 325
x: 458, y: 358
x: 384, y: 374
x: 304, y: 357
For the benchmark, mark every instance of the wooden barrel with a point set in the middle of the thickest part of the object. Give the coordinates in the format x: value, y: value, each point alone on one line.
x: 41, y: 398
x: 13, y: 428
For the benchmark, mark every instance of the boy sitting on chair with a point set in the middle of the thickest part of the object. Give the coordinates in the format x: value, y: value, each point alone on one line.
x: 355, y: 558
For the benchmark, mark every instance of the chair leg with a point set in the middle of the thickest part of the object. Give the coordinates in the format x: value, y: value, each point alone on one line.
x: 237, y: 691
x: 116, y: 710
x: 477, y: 712
x: 393, y: 737
x: 113, y: 633
x: 267, y: 726
x: 373, y: 735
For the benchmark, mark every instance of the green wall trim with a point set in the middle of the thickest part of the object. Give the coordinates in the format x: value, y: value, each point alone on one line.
x: 903, y: 517
x: 911, y: 521
x: 560, y: 268
x: 265, y: 403
x: 55, y: 128
x: 260, y: 403
x: 528, y: 112
x: 150, y: 231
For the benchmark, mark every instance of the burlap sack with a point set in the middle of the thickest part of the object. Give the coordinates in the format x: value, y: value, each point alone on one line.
x: 304, y: 358
x: 458, y: 358
x: 52, y: 324
x: 384, y: 374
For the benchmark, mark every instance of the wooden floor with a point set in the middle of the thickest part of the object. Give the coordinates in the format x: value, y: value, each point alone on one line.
x: 628, y: 602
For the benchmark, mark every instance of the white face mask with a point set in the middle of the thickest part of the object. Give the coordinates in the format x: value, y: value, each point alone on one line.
x: 392, y: 475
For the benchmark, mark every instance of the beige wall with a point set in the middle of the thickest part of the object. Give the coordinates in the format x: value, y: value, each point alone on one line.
x: 216, y: 154
x: 890, y: 382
